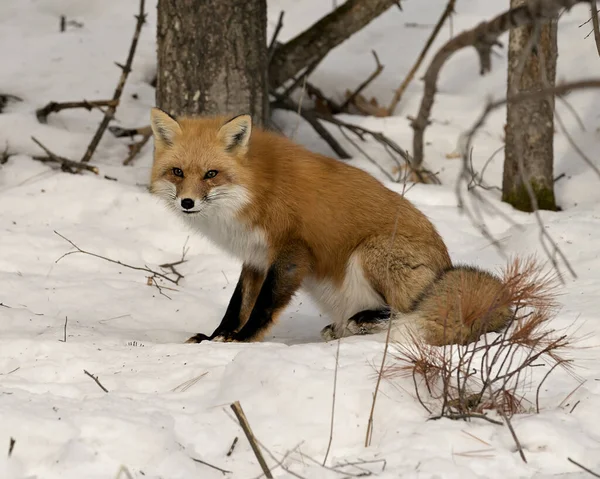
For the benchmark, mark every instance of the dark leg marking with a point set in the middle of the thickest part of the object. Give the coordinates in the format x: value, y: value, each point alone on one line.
x: 233, y: 317
x: 283, y: 280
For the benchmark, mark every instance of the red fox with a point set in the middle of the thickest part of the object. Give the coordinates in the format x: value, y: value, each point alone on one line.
x: 301, y: 220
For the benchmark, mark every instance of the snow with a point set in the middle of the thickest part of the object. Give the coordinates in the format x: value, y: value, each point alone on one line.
x: 168, y: 402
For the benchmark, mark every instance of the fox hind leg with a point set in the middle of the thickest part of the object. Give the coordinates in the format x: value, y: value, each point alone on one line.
x: 368, y: 321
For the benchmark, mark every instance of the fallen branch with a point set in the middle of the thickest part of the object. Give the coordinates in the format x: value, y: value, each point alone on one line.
x: 335, y: 374
x: 204, y: 463
x: 96, y: 380
x: 5, y: 98
x: 64, y: 340
x: 54, y: 107
x: 589, y: 471
x: 483, y: 38
x: 449, y: 10
x: 125, y: 69
x: 239, y: 413
x: 11, y: 445
x: 232, y: 447
x: 312, y: 118
x: 152, y: 280
x: 136, y: 147
x: 67, y: 165
x: 378, y: 69
x: 5, y: 155
x: 273, y: 42
x: 327, y: 33
x: 596, y: 27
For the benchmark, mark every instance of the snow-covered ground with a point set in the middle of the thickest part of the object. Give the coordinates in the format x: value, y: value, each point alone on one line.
x: 168, y: 402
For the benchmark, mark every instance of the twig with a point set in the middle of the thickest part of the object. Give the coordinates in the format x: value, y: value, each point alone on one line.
x: 311, y: 117
x: 273, y: 41
x: 589, y: 471
x: 466, y: 416
x: 402, y: 88
x: 11, y: 445
x: 369, y: 433
x: 64, y: 340
x: 378, y: 69
x: 136, y: 268
x: 596, y: 27
x: 557, y: 90
x: 136, y: 148
x: 483, y: 38
x: 5, y: 155
x: 337, y: 363
x: 514, y: 435
x: 574, y: 406
x: 232, y: 447
x: 239, y: 413
x: 54, y: 107
x: 96, y: 380
x: 108, y: 116
x: 124, y: 471
x: 204, y: 463
x: 67, y: 165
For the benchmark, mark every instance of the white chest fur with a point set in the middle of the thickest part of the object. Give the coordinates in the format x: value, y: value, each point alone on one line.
x: 228, y: 233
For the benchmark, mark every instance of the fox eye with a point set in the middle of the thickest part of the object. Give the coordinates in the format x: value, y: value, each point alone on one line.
x: 210, y: 174
x: 178, y: 172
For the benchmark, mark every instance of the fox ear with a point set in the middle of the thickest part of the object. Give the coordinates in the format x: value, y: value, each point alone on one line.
x: 235, y: 134
x: 164, y: 127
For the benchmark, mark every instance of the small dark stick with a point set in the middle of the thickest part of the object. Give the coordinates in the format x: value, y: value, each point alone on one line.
x: 55, y: 107
x: 11, y: 446
x: 68, y: 165
x: 63, y: 23
x: 65, y: 331
x: 230, y: 452
x: 96, y: 380
x: 237, y: 409
x: 141, y: 19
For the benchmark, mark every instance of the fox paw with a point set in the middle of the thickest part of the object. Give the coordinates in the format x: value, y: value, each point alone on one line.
x: 198, y: 338
x: 328, y: 333
x: 226, y: 338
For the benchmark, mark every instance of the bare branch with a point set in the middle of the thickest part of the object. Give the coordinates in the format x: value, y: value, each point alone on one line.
x: 327, y: 33
x: 449, y: 10
x: 136, y: 147
x: 239, y: 413
x: 378, y: 69
x: 311, y: 117
x: 273, y: 42
x: 125, y: 69
x: 54, y: 107
x: 596, y: 27
x: 483, y: 38
x: 67, y: 165
x: 589, y: 471
x: 155, y: 274
x: 335, y: 374
x: 96, y: 380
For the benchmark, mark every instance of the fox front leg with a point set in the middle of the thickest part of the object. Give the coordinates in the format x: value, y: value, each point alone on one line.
x: 240, y: 306
x: 282, y: 281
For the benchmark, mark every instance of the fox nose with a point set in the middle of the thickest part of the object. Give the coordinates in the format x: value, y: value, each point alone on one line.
x: 187, y: 203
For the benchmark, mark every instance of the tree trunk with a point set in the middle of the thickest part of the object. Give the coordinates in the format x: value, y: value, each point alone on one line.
x: 212, y: 57
x: 529, y: 153
x: 314, y: 43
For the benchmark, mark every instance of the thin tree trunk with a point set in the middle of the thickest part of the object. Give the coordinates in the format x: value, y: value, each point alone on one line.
x: 529, y: 152
x: 314, y: 43
x: 212, y: 57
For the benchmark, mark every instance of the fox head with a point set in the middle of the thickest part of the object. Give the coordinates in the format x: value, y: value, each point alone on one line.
x: 198, y: 167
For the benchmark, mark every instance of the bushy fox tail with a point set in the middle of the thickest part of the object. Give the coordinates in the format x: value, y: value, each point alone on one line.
x: 466, y: 302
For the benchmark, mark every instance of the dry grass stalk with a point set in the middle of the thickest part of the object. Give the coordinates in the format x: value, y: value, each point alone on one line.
x: 491, y: 373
